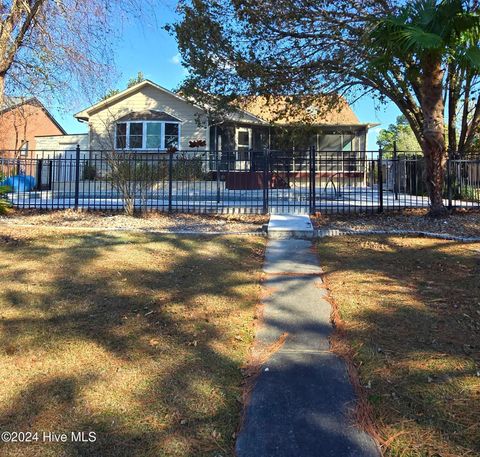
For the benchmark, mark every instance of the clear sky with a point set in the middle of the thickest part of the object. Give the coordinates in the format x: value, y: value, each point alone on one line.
x: 148, y: 48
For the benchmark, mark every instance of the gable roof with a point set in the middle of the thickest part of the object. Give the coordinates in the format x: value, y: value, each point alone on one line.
x: 148, y: 115
x: 331, y: 110
x: 102, y: 104
x: 87, y: 112
x: 11, y: 103
x: 322, y: 110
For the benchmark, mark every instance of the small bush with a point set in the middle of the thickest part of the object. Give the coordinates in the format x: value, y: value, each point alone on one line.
x: 467, y: 193
x: 89, y: 172
x: 4, y: 203
x: 134, y: 179
x: 188, y: 168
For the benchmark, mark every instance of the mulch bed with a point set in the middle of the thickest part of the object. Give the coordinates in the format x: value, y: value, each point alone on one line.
x: 150, y: 222
x: 460, y: 223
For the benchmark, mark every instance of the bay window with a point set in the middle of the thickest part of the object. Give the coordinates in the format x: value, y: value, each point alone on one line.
x: 154, y: 135
x: 147, y: 135
x: 135, y: 136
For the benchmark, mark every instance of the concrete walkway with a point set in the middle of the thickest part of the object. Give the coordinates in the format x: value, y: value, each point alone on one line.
x: 283, y: 226
x: 301, y: 403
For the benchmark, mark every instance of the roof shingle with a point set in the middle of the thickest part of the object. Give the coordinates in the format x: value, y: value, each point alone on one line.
x: 315, y: 110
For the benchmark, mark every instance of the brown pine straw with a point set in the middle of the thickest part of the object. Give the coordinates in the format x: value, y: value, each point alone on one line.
x: 362, y: 413
x: 259, y: 354
x: 258, y: 357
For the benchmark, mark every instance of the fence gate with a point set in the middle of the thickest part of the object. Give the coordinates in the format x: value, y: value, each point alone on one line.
x: 326, y: 181
x: 291, y: 182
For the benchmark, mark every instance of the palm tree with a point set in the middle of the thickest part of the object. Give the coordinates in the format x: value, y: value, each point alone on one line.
x: 430, y: 35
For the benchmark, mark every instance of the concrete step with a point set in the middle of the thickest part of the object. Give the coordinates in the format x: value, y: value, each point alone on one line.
x: 283, y: 226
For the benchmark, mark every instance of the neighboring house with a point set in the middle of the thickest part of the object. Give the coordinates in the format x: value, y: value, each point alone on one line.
x: 21, y: 121
x: 48, y: 144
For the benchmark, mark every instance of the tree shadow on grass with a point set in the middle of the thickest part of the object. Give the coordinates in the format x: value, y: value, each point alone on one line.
x: 159, y: 323
x: 412, y: 318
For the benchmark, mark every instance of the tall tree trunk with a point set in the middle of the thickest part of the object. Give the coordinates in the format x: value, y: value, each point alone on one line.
x: 433, y: 145
x: 453, y: 96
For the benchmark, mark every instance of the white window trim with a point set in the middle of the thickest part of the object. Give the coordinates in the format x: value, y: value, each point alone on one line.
x: 144, y: 134
x: 250, y: 139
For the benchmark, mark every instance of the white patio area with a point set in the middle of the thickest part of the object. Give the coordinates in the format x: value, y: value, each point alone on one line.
x: 355, y: 199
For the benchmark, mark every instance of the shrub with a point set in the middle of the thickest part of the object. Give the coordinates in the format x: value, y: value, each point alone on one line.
x: 4, y: 203
x: 89, y: 172
x: 466, y: 192
x: 187, y: 168
x: 132, y: 178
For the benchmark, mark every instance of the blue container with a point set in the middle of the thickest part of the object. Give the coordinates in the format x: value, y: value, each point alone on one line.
x: 20, y: 183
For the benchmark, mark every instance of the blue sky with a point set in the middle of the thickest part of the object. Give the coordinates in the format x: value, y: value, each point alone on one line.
x: 146, y: 47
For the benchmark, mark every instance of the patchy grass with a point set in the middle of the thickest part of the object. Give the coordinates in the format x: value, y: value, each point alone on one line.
x: 139, y: 338
x: 408, y: 316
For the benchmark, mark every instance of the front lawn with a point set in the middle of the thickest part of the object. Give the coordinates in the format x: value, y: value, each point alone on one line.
x: 409, y: 313
x: 139, y: 338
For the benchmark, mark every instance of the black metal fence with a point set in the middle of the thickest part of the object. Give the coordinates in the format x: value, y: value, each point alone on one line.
x: 234, y: 181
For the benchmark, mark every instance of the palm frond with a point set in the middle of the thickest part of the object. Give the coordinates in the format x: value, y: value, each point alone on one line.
x: 416, y: 39
x: 393, y: 32
x: 470, y: 58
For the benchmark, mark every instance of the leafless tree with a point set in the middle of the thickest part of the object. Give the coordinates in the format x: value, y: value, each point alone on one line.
x: 50, y: 46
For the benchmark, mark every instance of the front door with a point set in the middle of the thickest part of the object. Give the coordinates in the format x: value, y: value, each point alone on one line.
x: 243, y: 143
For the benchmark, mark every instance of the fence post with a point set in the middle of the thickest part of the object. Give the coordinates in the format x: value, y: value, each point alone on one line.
x: 77, y: 175
x: 266, y: 168
x: 39, y: 173
x: 380, y: 180
x: 217, y: 175
x: 170, y: 181
x: 313, y: 169
x: 449, y: 184
x: 396, y: 169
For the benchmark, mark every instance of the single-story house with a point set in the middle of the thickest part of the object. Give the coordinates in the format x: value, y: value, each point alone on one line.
x: 147, y: 118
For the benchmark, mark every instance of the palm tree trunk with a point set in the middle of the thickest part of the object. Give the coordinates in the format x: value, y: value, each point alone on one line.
x: 453, y: 97
x: 433, y: 145
x: 2, y: 87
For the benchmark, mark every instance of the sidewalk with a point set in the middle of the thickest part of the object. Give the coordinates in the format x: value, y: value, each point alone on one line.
x: 301, y: 403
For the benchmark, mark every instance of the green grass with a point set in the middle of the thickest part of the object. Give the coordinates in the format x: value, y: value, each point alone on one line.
x: 139, y: 338
x: 409, y: 318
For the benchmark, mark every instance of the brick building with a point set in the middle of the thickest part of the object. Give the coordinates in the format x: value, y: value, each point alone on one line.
x: 21, y: 120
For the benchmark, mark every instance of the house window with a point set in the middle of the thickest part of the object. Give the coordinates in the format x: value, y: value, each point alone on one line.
x: 154, y: 135
x: 148, y: 135
x: 135, y: 137
x: 121, y: 137
x: 330, y: 142
x: 171, y: 135
x: 348, y: 142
